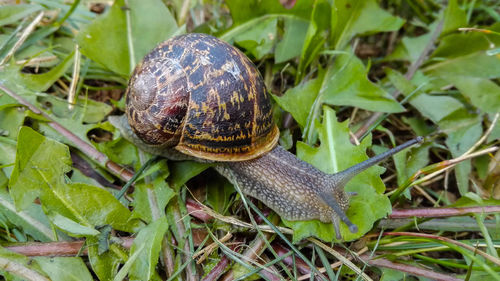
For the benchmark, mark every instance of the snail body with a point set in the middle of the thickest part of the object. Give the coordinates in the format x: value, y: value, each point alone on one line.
x: 196, y: 97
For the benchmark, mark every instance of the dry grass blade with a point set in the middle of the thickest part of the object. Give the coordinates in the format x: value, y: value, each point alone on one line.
x: 24, y: 35
x: 341, y: 258
x: 460, y: 244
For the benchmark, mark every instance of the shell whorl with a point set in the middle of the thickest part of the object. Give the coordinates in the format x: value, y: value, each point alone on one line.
x: 204, y: 97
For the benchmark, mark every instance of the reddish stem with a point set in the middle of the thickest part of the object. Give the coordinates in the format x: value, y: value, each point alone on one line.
x: 34, y: 249
x: 302, y: 267
x: 408, y: 269
x: 441, y: 212
x: 196, y: 210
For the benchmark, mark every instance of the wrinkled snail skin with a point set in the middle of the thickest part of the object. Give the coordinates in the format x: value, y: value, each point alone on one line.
x: 195, y: 97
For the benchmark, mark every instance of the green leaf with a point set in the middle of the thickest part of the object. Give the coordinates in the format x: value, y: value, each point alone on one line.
x: 159, y: 190
x: 8, y: 152
x: 12, y: 13
x: 409, y: 162
x: 454, y: 17
x: 218, y: 195
x: 122, y: 274
x: 71, y: 227
x: 107, y: 39
x: 104, y: 265
x: 259, y: 40
x: 463, y: 130
x: 316, y: 35
x: 85, y: 110
x: 41, y: 165
x: 149, y: 239
x: 35, y: 82
x: 432, y: 107
x: 182, y: 171
x: 336, y: 153
x: 245, y: 10
x: 10, y: 121
x: 40, y: 162
x: 482, y: 93
x: 470, y: 42
x: 477, y: 65
x: 346, y: 83
x: 409, y: 48
x: 56, y: 268
x: 14, y: 264
x: 360, y: 17
x: 291, y: 44
x: 300, y: 99
x: 32, y: 220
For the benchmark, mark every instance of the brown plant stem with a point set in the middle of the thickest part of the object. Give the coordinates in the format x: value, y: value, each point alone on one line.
x: 408, y: 268
x: 441, y: 212
x: 194, y: 209
x: 221, y: 266
x: 35, y: 249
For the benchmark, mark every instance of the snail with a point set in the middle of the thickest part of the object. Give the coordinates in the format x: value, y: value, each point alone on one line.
x: 196, y: 97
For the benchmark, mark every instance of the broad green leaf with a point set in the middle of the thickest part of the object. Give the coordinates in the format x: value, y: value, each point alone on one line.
x: 346, y: 83
x: 316, y: 35
x: 336, y: 153
x: 360, y: 17
x: 56, y: 268
x: 182, y: 171
x: 124, y: 270
x: 40, y: 52
x: 245, y: 10
x: 3, y: 180
x: 432, y: 107
x: 11, y: 118
x: 85, y: 110
x: 393, y: 275
x: 259, y: 40
x: 109, y: 41
x: 71, y: 227
x: 118, y: 150
x: 476, y: 65
x: 32, y: 220
x: 40, y: 164
x: 410, y: 161
x: 218, y: 195
x: 463, y: 130
x: 8, y: 152
x: 454, y: 17
x: 41, y: 82
x: 12, y: 13
x: 418, y: 125
x: 89, y: 205
x: 482, y: 93
x: 40, y: 169
x: 291, y: 44
x: 299, y: 100
x: 409, y: 48
x: 469, y: 43
x: 149, y: 239
x: 13, y: 78
x: 104, y: 265
x: 14, y: 265
x: 144, y: 194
